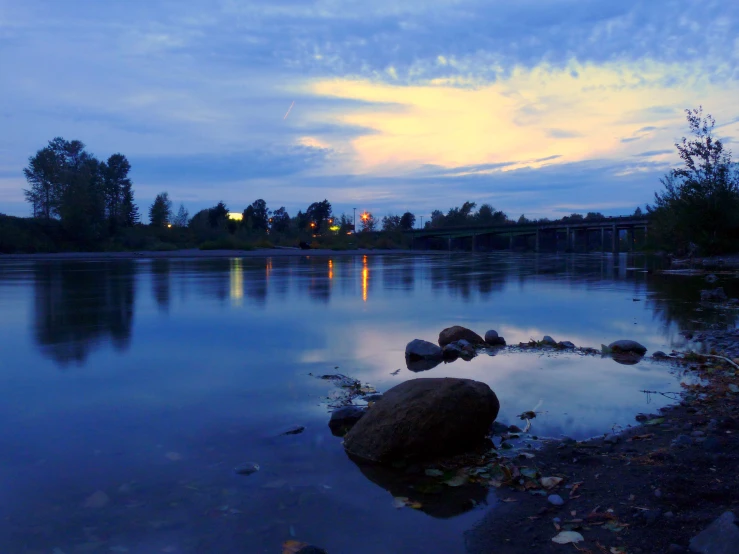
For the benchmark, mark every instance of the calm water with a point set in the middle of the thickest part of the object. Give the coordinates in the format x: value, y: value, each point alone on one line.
x: 149, y: 381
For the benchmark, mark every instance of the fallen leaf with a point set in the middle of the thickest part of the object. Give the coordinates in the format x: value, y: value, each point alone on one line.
x: 529, y: 472
x: 618, y: 550
x: 509, y: 500
x: 550, y: 482
x: 567, y: 537
x: 292, y: 547
x: 400, y: 501
x: 98, y: 499
x: 655, y: 421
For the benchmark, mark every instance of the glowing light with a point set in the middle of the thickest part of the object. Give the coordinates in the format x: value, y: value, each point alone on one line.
x: 235, y: 216
x: 169, y: 225
x: 334, y: 228
x: 268, y: 270
x: 330, y: 270
x: 237, y: 281
x: 365, y: 216
x: 312, y: 224
x: 365, y: 278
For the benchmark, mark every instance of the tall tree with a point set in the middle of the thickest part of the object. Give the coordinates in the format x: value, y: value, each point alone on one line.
x: 407, y: 221
x: 118, y: 191
x: 160, y: 211
x: 368, y: 222
x: 182, y: 218
x: 256, y: 216
x: 218, y: 215
x: 391, y: 223
x: 44, y: 177
x: 280, y: 220
x: 319, y: 212
x: 700, y: 200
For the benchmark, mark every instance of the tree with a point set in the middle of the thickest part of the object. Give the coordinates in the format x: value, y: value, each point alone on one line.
x: 487, y: 215
x: 391, y: 223
x: 407, y: 221
x: 346, y: 224
x: 319, y: 212
x: 437, y: 219
x: 459, y: 216
x: 700, y: 200
x: 280, y: 220
x: 218, y: 215
x: 117, y: 186
x: 256, y: 216
x: 638, y: 212
x: 160, y: 212
x: 182, y: 219
x: 523, y: 220
x: 573, y: 217
x: 596, y: 215
x: 368, y: 222
x: 44, y: 177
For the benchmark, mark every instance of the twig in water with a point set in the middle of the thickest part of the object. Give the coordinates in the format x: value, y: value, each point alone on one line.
x: 670, y: 395
x: 721, y: 358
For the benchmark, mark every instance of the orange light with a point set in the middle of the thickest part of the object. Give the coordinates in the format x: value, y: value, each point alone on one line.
x: 169, y: 225
x: 312, y: 224
x: 365, y: 278
x: 365, y: 216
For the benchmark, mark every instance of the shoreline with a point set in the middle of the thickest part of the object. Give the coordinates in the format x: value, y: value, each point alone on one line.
x: 194, y: 253
x: 650, y: 488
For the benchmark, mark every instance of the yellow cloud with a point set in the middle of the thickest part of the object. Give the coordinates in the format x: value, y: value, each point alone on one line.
x: 313, y: 142
x: 578, y: 112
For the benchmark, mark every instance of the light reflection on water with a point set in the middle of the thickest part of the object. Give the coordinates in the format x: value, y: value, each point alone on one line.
x: 151, y: 379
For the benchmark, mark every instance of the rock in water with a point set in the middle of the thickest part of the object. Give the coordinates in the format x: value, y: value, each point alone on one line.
x: 549, y: 341
x: 453, y: 334
x: 721, y: 537
x: 623, y: 346
x: 419, y: 349
x: 565, y: 344
x: 423, y: 418
x: 492, y: 338
x: 715, y: 295
x: 344, y: 419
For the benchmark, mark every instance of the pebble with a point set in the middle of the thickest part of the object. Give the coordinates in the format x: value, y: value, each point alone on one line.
x: 697, y: 433
x: 682, y: 440
x: 555, y: 500
x: 712, y: 444
x: 658, y: 493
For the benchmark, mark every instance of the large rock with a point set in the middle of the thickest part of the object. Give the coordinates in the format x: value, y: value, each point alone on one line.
x: 424, y: 418
x: 492, y: 338
x: 549, y: 341
x: 344, y: 419
x: 453, y: 334
x: 721, y: 537
x: 419, y: 349
x: 624, y: 346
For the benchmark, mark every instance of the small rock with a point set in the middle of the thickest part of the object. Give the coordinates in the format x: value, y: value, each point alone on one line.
x: 555, y: 500
x: 641, y: 417
x: 697, y: 434
x: 669, y: 515
x: 711, y: 278
x: 247, y: 468
x: 296, y: 430
x: 612, y: 438
x: 492, y: 338
x: 514, y: 429
x: 714, y: 295
x: 682, y: 440
x: 565, y: 344
x: 659, y: 354
x: 419, y: 349
x: 721, y: 537
x: 455, y: 333
x: 499, y: 428
x: 623, y: 346
x: 657, y: 493
x: 549, y: 341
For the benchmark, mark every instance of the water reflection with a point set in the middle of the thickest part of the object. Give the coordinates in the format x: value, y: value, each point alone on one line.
x: 80, y: 306
x: 160, y: 281
x: 236, y: 275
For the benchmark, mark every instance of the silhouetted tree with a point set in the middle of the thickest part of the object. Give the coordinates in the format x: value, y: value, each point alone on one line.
x: 595, y: 215
x: 256, y: 216
x: 391, y: 223
x: 182, y: 218
x: 638, y: 212
x: 160, y: 211
x: 700, y: 200
x: 280, y: 220
x: 319, y: 212
x: 407, y: 221
x: 118, y: 192
x: 368, y: 222
x: 218, y: 215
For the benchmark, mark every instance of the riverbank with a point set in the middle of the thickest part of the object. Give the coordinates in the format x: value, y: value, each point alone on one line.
x: 649, y: 489
x: 195, y: 253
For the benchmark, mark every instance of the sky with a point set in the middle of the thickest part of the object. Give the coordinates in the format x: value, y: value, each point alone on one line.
x: 538, y: 107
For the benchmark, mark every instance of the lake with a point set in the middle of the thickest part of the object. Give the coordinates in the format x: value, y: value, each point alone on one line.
x: 131, y: 389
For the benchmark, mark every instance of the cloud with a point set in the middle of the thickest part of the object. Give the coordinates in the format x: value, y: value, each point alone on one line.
x: 462, y: 93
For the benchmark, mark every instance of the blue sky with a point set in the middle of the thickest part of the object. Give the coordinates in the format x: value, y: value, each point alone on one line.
x: 542, y: 107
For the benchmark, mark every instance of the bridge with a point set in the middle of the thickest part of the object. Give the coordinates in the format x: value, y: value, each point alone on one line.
x: 605, y: 232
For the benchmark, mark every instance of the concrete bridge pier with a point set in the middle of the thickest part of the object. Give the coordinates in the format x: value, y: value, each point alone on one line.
x: 614, y: 239
x: 602, y: 239
x: 630, y: 238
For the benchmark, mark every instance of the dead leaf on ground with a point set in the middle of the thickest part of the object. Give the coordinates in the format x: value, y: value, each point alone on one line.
x: 550, y: 482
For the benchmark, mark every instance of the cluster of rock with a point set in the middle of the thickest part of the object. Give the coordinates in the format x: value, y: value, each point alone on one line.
x: 454, y: 342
